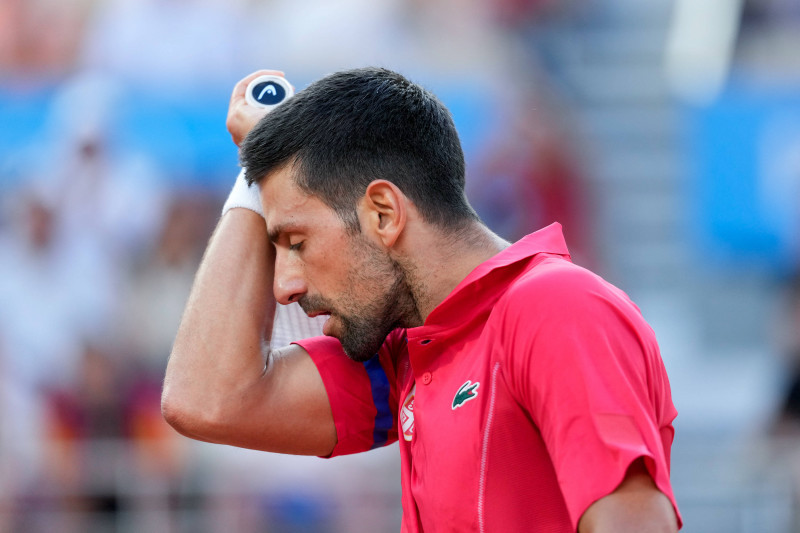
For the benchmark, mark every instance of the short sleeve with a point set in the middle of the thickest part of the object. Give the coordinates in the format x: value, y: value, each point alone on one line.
x: 585, y: 364
x: 363, y: 396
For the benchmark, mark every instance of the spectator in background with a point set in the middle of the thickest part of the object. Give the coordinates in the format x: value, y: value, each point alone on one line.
x: 84, y: 419
x: 41, y: 36
x: 87, y: 207
x: 105, y: 192
x: 528, y: 175
x: 161, y: 279
x: 54, y: 293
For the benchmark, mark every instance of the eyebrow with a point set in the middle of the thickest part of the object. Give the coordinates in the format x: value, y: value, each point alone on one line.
x: 275, y: 232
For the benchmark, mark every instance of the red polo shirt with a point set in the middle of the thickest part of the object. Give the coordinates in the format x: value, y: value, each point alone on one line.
x: 522, y: 400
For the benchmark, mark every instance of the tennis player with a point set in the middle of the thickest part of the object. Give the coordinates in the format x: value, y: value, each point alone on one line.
x: 526, y: 393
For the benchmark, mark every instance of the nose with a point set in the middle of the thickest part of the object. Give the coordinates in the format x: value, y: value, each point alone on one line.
x: 289, y: 284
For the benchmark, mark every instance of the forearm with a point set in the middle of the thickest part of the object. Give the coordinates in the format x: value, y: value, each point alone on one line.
x: 217, y: 358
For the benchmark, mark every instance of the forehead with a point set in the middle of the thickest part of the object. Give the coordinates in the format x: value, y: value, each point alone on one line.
x: 287, y: 207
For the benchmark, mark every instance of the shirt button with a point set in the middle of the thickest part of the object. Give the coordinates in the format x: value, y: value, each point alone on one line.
x: 426, y: 378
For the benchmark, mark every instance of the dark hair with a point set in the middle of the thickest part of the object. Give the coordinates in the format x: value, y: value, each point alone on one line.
x: 352, y: 127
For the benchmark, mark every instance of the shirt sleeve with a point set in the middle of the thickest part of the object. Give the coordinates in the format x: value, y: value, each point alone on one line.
x: 363, y: 396
x: 587, y: 367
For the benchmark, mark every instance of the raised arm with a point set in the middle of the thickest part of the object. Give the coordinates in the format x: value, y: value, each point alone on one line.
x: 222, y: 385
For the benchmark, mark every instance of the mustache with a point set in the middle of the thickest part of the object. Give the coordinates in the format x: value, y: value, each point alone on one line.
x: 311, y: 304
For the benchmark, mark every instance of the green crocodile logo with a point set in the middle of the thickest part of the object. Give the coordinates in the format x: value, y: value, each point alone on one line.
x: 466, y: 392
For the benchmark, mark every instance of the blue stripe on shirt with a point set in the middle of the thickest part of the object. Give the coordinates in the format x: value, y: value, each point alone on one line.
x: 384, y: 420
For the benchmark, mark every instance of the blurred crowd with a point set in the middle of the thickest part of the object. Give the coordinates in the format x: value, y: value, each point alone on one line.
x: 99, y: 241
x: 97, y: 259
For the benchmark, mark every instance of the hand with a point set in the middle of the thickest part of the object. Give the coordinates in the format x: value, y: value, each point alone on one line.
x: 242, y: 117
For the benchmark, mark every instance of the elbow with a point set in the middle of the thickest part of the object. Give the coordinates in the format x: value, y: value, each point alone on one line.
x: 190, y: 417
x: 188, y: 401
x: 175, y: 411
x: 171, y: 410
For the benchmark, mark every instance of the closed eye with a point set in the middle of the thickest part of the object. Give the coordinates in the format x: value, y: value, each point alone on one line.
x: 296, y: 246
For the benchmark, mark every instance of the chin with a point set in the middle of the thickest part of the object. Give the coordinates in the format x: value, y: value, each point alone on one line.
x: 360, y: 353
x: 359, y: 356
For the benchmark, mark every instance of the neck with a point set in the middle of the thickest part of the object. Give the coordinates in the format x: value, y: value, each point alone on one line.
x: 440, y: 260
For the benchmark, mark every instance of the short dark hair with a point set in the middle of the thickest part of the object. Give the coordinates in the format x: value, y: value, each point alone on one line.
x: 352, y: 127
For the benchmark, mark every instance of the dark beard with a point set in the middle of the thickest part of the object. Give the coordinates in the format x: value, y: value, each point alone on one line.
x: 364, y: 329
x: 364, y: 333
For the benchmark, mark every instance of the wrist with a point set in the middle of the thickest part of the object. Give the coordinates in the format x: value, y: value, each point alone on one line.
x: 243, y: 195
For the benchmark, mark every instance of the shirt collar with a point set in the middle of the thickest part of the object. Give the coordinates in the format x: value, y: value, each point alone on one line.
x: 484, y: 285
x: 549, y: 239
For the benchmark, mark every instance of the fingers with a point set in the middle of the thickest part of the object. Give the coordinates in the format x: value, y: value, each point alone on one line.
x: 242, y: 117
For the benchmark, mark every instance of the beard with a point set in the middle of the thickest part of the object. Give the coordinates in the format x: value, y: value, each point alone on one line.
x: 377, y: 300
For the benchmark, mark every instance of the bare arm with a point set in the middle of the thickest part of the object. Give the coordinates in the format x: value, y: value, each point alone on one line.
x: 635, y: 506
x: 220, y: 386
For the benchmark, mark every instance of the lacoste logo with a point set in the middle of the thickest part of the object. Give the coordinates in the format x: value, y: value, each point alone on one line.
x: 465, y: 393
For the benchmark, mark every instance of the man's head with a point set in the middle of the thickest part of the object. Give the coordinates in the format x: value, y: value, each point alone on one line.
x: 346, y: 168
x: 330, y: 270
x: 353, y: 127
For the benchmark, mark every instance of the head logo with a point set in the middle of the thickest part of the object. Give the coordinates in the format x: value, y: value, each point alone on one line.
x: 466, y: 392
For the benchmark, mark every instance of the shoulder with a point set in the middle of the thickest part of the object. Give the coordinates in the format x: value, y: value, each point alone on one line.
x: 561, y: 326
x: 560, y: 308
x: 555, y: 287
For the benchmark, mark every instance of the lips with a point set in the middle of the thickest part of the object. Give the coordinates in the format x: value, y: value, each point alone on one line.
x: 326, y: 330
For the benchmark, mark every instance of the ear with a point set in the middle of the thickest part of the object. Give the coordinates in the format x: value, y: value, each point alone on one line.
x: 384, y: 211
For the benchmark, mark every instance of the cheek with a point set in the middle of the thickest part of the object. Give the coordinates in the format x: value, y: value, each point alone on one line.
x: 372, y: 276
x: 328, y: 267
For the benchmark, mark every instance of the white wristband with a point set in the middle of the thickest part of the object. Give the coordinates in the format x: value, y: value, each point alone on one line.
x: 243, y: 195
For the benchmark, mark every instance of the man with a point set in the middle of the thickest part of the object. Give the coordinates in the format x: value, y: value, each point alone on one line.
x: 527, y: 394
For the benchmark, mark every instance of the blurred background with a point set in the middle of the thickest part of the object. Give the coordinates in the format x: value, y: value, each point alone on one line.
x: 664, y: 136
